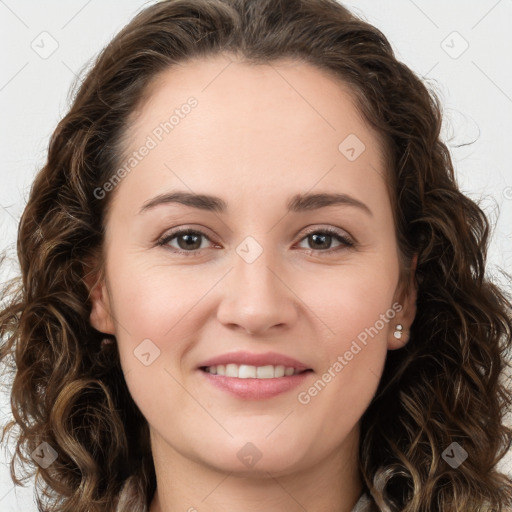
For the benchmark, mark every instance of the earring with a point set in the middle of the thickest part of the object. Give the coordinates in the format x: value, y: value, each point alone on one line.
x: 106, y: 341
x: 398, y: 332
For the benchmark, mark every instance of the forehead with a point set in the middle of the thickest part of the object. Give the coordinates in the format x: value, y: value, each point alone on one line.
x: 288, y: 124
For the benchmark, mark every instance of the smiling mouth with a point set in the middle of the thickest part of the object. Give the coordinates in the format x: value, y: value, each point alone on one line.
x: 244, y: 371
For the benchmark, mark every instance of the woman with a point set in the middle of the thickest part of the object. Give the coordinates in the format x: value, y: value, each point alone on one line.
x: 249, y: 280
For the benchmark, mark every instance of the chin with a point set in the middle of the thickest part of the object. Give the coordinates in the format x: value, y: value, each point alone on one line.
x: 256, y: 455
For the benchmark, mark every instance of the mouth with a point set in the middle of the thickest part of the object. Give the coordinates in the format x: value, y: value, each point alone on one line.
x: 252, y: 376
x: 245, y: 371
x: 247, y: 382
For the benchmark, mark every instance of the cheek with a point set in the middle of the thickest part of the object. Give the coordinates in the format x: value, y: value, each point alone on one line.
x: 154, y: 310
x: 155, y: 303
x: 350, y: 299
x: 151, y: 299
x: 359, y: 315
x: 356, y: 314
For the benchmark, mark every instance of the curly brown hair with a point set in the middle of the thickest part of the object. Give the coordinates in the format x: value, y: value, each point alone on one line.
x: 444, y: 386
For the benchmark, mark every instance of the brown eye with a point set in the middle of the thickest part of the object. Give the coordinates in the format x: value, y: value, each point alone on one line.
x: 321, y: 240
x: 188, y: 241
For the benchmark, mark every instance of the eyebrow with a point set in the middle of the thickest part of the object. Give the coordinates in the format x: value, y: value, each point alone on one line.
x: 297, y: 203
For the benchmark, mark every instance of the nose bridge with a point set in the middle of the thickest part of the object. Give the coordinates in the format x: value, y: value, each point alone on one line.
x: 253, y: 264
x: 256, y: 297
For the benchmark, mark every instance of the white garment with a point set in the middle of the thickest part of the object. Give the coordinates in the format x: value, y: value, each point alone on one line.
x: 363, y: 504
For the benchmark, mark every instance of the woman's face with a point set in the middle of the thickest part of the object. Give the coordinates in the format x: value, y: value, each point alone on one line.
x: 258, y: 274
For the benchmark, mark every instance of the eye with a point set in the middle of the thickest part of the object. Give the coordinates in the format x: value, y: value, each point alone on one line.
x: 324, y: 237
x: 189, y: 241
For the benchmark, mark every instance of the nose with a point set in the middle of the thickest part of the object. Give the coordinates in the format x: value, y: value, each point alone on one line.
x: 256, y: 297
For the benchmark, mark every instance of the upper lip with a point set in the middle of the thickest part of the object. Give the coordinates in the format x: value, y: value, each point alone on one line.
x: 248, y: 358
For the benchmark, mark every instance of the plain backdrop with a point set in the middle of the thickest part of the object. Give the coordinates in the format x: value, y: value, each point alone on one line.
x: 462, y: 48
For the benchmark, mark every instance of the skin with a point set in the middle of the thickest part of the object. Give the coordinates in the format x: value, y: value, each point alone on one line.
x: 258, y: 135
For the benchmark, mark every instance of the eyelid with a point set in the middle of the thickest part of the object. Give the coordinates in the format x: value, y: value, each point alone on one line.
x: 331, y: 230
x: 184, y: 229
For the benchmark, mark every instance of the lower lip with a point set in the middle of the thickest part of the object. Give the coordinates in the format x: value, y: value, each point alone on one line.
x: 256, y: 389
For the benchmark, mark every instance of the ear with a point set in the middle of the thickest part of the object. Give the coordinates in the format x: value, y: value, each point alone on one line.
x: 100, y: 316
x: 406, y: 296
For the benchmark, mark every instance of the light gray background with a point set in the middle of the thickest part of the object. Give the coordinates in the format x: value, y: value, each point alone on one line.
x: 475, y: 86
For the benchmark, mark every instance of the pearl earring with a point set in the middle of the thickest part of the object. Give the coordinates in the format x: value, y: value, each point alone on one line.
x: 106, y: 341
x: 398, y: 332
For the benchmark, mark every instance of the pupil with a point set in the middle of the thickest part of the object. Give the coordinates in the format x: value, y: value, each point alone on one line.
x: 324, y: 238
x: 187, y: 244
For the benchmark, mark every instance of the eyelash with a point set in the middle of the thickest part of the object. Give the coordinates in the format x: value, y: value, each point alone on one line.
x: 347, y: 243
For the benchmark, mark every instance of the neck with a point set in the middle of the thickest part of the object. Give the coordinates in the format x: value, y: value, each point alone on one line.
x: 332, y: 484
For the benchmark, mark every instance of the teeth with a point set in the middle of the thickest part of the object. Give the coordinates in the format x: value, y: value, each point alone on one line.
x: 245, y: 371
